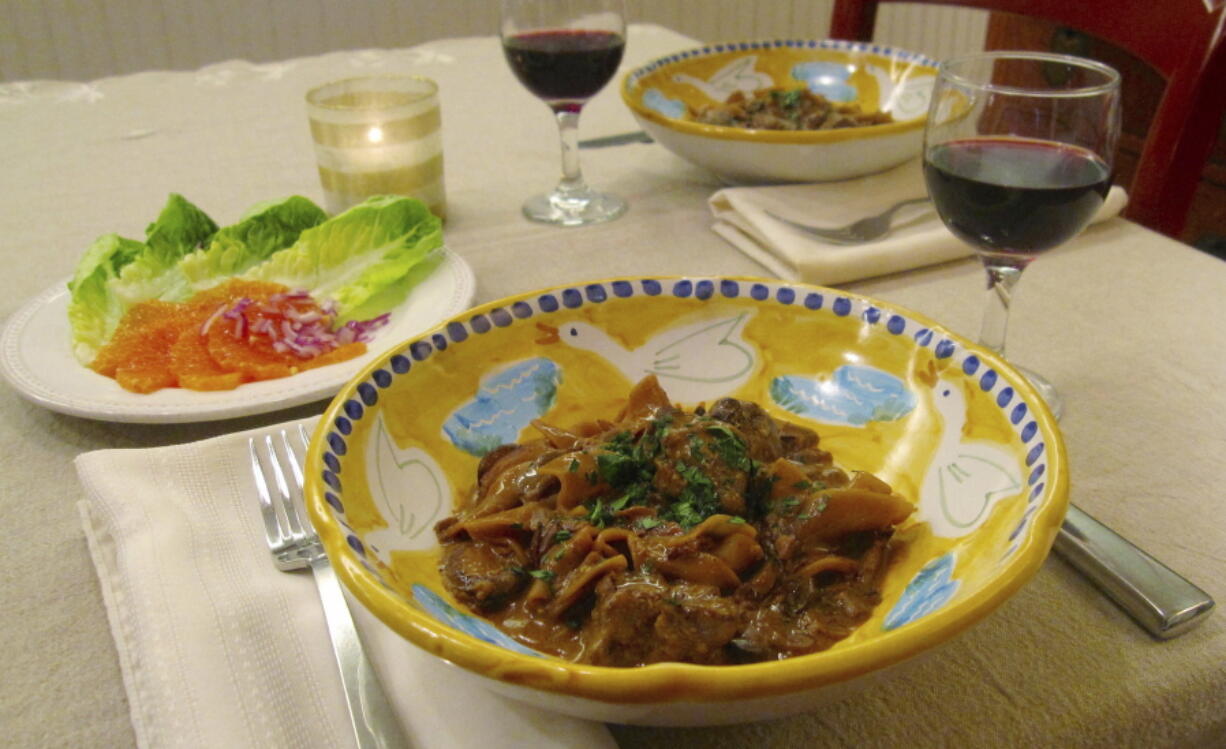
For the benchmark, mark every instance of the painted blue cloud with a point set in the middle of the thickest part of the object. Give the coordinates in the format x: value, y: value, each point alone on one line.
x: 826, y: 78
x: 929, y: 590
x: 506, y: 402
x: 654, y: 99
x: 477, y: 627
x: 854, y: 395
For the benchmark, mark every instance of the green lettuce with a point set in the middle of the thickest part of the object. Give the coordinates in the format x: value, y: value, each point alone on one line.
x: 362, y: 258
x: 265, y: 229
x: 180, y: 229
x: 93, y: 312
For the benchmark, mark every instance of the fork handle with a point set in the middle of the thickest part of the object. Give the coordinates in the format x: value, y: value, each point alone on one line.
x: 374, y: 722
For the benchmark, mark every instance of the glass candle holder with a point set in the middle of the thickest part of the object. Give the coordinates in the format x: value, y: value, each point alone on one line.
x: 378, y: 135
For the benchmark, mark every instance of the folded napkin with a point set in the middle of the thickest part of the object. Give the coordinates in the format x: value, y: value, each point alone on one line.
x: 220, y: 649
x: 919, y: 238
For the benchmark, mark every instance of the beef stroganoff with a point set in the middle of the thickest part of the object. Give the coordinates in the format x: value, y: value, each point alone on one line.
x: 786, y: 109
x: 713, y: 536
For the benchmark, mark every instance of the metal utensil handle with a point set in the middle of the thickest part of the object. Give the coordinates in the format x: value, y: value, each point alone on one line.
x: 638, y: 136
x: 374, y: 722
x: 1158, y: 598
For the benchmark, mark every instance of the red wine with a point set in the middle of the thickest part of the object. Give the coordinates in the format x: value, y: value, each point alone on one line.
x: 564, y: 65
x: 1015, y: 196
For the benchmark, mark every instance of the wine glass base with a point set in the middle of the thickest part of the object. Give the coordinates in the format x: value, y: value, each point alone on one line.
x: 1046, y: 390
x: 575, y: 209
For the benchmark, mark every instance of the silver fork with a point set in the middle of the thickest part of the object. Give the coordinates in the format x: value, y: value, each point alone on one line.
x: 295, y: 545
x: 863, y: 230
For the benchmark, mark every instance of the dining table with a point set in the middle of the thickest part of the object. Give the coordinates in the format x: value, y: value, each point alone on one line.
x: 1130, y: 324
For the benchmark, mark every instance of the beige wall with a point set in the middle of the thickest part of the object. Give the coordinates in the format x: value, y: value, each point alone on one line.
x: 88, y: 39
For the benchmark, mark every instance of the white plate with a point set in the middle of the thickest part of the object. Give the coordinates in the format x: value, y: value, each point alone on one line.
x: 36, y: 359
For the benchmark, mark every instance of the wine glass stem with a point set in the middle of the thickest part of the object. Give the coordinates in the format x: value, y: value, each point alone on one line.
x: 568, y: 129
x: 1001, y: 280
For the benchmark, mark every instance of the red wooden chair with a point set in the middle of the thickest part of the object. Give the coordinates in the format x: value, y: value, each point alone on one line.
x: 1180, y: 39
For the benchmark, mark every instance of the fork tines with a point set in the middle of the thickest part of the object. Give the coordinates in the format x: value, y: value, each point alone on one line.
x: 286, y: 527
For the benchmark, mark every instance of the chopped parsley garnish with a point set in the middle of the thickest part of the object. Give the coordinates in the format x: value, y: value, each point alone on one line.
x: 809, y: 486
x: 598, y: 515
x: 685, y: 513
x: 628, y: 498
x: 787, y: 99
x: 561, y: 536
x: 628, y: 462
x: 730, y: 447
x: 624, y: 464
x: 618, y: 470
x: 542, y: 574
x: 697, y: 500
x: 574, y: 465
x: 650, y: 444
x: 649, y: 522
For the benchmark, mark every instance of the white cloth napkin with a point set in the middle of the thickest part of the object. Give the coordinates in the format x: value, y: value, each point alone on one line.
x: 220, y: 649
x: 918, y: 239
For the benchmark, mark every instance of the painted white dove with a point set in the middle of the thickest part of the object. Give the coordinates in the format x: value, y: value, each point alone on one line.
x: 698, y: 362
x: 965, y: 479
x: 738, y: 75
x: 410, y: 492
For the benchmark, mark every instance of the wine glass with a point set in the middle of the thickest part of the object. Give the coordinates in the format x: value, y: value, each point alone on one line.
x: 564, y: 52
x: 1017, y: 157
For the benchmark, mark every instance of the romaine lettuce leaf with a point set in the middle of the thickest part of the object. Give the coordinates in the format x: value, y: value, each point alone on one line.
x: 116, y: 272
x: 266, y: 228
x: 93, y: 312
x: 361, y: 258
x: 180, y: 229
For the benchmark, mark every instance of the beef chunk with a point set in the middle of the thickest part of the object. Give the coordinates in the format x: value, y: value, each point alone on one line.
x: 644, y: 622
x: 692, y: 457
x: 796, y: 438
x: 755, y: 425
x: 482, y: 575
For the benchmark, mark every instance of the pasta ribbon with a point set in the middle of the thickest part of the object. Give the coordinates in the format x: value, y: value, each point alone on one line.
x: 852, y: 510
x: 577, y: 476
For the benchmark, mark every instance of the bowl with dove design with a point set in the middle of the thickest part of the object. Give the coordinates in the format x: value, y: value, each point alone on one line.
x: 953, y: 430
x: 785, y: 110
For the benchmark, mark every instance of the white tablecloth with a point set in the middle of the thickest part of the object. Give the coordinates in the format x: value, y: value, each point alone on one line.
x: 1129, y: 324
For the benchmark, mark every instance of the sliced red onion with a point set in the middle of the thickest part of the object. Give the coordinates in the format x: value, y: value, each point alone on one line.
x: 239, y: 308
x: 204, y: 328
x: 304, y: 328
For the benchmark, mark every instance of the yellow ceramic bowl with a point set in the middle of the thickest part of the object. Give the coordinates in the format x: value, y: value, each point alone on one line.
x: 661, y: 93
x: 947, y: 424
